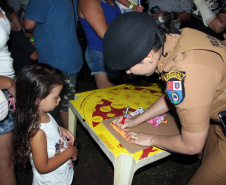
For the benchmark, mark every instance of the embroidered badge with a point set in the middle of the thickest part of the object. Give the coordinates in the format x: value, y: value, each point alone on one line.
x: 175, y: 86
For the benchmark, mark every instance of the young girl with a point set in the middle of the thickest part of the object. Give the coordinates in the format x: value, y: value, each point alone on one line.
x: 36, y: 132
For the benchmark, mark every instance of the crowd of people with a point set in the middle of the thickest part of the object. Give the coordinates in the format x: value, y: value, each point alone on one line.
x: 40, y: 50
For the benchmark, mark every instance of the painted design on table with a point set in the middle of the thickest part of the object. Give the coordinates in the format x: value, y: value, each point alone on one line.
x: 107, y: 110
x: 95, y: 106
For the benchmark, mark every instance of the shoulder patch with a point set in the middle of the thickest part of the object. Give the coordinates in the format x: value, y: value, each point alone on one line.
x: 175, y: 86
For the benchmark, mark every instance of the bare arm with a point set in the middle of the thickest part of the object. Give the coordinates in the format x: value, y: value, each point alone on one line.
x: 8, y: 84
x: 34, y: 55
x: 218, y: 24
x: 29, y: 25
x: 156, y: 109
x: 92, y: 11
x: 39, y: 152
x: 186, y: 143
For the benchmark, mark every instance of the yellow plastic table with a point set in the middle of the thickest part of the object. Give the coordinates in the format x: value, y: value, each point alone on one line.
x: 92, y: 107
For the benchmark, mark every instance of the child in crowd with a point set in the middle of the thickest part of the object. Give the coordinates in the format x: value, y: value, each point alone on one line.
x: 36, y: 132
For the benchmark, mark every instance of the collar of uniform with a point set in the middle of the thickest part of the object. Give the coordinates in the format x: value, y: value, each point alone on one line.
x: 169, y: 45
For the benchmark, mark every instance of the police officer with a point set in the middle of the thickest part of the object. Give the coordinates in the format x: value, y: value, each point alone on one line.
x: 193, y: 66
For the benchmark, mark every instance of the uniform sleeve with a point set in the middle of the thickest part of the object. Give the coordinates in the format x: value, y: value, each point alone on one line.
x: 39, y: 10
x: 204, y: 73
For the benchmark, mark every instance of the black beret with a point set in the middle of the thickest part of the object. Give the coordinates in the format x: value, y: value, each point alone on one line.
x: 128, y: 40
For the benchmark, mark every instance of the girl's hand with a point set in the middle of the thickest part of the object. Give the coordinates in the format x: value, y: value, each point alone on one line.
x: 140, y: 138
x: 74, y: 152
x: 128, y: 123
x: 69, y: 135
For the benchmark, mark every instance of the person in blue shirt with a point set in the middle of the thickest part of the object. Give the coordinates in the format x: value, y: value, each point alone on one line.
x: 53, y: 24
x: 95, y: 16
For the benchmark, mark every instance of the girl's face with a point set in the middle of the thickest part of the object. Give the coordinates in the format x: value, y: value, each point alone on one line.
x: 52, y: 100
x: 147, y: 66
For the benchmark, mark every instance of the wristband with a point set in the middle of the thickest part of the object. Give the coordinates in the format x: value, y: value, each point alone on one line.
x: 32, y: 40
x: 131, y: 6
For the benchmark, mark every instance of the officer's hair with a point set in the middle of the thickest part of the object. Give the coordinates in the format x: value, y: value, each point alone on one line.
x: 160, y: 39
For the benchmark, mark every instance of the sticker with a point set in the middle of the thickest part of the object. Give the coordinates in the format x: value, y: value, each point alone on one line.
x: 175, y: 86
x: 156, y: 121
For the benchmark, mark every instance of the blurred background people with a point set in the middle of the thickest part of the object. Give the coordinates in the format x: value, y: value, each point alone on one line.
x: 95, y: 16
x: 7, y: 85
x: 130, y: 5
x: 53, y: 24
x: 21, y: 49
x: 19, y: 7
x: 209, y: 16
x: 180, y: 10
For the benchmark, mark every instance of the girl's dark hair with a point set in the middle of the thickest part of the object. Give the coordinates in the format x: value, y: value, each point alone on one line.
x: 33, y: 83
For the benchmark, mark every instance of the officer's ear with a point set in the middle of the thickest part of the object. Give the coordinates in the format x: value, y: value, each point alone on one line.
x: 150, y: 56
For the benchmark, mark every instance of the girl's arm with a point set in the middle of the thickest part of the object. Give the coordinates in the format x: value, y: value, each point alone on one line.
x: 92, y: 11
x: 40, y: 157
